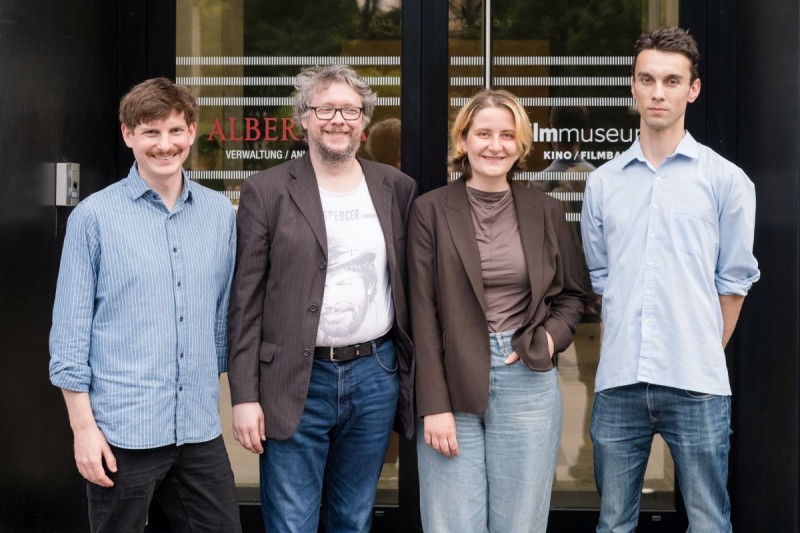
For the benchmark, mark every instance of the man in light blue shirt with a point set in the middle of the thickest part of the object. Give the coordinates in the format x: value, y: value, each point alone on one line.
x: 668, y: 235
x: 139, y: 329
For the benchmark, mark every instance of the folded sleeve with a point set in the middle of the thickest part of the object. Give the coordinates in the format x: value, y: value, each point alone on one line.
x: 594, y: 244
x: 737, y: 268
x: 73, y: 311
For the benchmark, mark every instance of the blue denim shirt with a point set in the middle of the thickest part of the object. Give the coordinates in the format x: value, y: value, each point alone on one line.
x: 140, y: 313
x: 661, y: 246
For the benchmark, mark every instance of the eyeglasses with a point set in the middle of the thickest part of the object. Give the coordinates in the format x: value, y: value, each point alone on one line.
x: 327, y: 112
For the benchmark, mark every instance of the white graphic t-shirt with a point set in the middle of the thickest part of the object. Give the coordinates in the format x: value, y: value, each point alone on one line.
x: 357, y: 303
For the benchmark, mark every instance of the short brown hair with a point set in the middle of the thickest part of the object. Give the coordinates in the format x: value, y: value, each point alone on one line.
x: 673, y: 39
x: 156, y: 99
x: 486, y: 98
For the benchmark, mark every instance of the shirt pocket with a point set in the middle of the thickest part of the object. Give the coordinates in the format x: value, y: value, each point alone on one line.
x: 694, y: 230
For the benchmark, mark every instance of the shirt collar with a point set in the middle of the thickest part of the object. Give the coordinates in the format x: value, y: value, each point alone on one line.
x: 688, y: 147
x: 136, y: 187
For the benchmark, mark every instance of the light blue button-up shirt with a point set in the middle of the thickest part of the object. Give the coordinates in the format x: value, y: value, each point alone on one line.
x: 140, y: 314
x: 661, y: 246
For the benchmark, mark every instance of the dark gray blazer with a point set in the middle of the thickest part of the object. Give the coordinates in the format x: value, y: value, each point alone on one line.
x: 278, y: 283
x: 451, y: 336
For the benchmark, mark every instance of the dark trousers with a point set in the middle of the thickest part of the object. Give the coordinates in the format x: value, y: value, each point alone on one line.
x: 192, y: 483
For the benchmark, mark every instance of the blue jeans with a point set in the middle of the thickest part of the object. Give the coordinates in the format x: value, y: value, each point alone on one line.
x: 502, y: 478
x: 335, y: 455
x: 695, y: 426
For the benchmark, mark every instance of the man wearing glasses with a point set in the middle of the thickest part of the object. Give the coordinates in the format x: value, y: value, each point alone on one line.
x: 315, y: 392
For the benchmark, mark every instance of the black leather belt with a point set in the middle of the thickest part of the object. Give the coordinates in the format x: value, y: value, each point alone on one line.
x: 348, y: 353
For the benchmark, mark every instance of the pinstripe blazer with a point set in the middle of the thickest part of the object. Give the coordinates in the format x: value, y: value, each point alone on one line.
x: 279, y: 282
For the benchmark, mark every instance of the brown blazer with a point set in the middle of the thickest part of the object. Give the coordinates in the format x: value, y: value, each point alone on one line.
x: 278, y: 283
x: 451, y: 336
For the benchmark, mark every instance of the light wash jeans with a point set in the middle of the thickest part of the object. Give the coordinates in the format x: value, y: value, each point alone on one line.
x: 695, y: 426
x: 502, y: 478
x: 335, y: 455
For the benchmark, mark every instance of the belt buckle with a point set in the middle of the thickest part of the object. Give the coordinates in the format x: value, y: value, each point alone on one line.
x: 331, y: 356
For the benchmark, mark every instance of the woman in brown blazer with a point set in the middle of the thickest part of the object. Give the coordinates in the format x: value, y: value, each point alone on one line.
x: 495, y: 295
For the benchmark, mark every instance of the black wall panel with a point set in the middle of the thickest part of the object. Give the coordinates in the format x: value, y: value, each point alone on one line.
x: 58, y: 92
x: 765, y: 459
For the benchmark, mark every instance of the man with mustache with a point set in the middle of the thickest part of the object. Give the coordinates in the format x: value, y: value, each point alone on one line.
x: 668, y: 235
x: 316, y: 382
x: 139, y: 329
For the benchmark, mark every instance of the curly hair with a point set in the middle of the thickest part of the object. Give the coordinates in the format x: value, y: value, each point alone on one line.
x: 314, y: 79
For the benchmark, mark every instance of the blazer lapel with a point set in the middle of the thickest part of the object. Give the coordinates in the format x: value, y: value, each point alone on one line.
x: 305, y: 193
x: 459, y: 220
x: 530, y: 219
x: 381, y: 195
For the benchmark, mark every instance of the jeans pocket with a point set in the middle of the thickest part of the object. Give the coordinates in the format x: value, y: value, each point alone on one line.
x: 695, y: 395
x: 387, y: 359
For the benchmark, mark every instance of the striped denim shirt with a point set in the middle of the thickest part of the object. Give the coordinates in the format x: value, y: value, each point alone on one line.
x: 139, y: 320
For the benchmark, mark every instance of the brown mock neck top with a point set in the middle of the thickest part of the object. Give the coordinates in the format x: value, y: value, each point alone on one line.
x: 506, y: 287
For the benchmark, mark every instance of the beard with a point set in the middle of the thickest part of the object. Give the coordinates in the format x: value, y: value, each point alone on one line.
x: 332, y: 155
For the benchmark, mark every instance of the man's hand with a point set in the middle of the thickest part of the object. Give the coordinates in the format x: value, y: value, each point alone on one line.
x: 731, y: 306
x: 91, y: 449
x: 248, y: 426
x: 440, y: 433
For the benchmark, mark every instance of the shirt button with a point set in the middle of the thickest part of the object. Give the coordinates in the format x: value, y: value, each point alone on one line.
x: 175, y: 249
x: 181, y: 319
x: 181, y: 355
x: 180, y: 389
x: 306, y: 352
x: 649, y: 263
x: 313, y: 308
x: 179, y: 284
x: 323, y: 265
x: 655, y: 206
